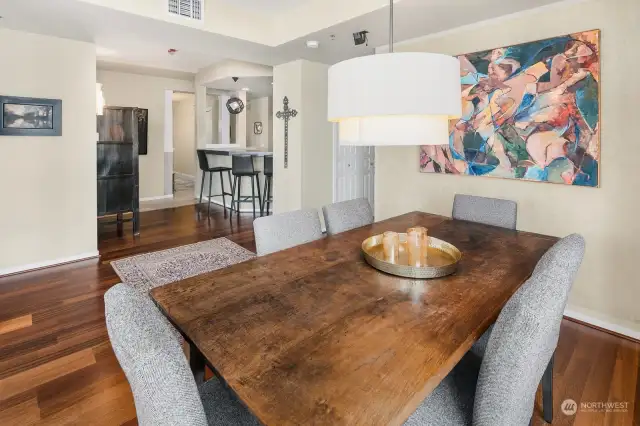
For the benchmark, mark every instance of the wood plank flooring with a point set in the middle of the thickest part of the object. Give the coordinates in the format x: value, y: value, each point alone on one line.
x: 57, y: 366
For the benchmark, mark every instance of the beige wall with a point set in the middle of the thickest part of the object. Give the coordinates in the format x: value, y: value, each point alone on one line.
x: 260, y: 110
x: 184, y: 136
x: 607, y: 288
x: 307, y: 183
x: 239, y: 137
x: 317, y: 137
x: 287, y: 183
x: 145, y: 91
x: 212, y: 112
x: 48, y: 184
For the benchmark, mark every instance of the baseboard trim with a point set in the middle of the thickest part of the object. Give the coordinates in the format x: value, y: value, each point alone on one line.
x: 162, y: 197
x: 242, y: 210
x: 605, y: 326
x: 47, y: 264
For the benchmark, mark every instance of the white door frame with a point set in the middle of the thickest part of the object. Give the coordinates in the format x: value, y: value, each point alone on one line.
x: 168, y: 143
x: 336, y: 151
x: 336, y: 160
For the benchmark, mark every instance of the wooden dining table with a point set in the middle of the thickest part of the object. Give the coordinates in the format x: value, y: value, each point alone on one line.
x: 313, y: 335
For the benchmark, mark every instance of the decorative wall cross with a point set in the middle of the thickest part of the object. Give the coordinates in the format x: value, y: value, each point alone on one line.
x: 286, y: 114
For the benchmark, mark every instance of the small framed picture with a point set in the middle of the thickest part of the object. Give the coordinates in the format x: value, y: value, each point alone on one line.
x: 30, y: 116
x: 257, y: 128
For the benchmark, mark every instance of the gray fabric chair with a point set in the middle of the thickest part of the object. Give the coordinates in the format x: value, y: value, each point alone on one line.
x: 164, y: 390
x: 286, y: 230
x: 489, y: 211
x: 347, y: 215
x: 499, y: 389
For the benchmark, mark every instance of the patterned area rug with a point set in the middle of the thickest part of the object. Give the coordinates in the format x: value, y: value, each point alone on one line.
x: 147, y: 271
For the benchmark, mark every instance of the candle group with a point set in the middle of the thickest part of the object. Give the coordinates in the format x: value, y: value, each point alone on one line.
x: 416, y: 246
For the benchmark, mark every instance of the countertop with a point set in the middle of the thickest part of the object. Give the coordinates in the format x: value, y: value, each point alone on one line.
x: 230, y: 149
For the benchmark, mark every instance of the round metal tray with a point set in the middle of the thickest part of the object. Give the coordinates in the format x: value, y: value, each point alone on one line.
x: 442, y: 258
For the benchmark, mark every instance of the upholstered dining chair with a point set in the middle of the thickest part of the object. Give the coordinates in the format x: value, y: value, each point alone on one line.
x: 347, y: 215
x: 499, y: 389
x: 488, y: 211
x: 286, y: 230
x: 164, y: 389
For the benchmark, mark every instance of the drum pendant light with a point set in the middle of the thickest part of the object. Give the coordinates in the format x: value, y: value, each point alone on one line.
x: 395, y: 98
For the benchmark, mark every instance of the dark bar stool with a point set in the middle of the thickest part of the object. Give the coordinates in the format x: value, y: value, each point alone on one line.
x: 268, y: 179
x: 242, y: 166
x: 203, y: 161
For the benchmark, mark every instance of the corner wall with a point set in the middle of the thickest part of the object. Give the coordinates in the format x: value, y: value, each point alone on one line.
x: 48, y: 184
x: 308, y: 181
x: 287, y: 183
x: 607, y: 289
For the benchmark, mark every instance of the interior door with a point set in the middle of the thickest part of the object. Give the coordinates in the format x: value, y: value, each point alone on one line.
x: 354, y: 171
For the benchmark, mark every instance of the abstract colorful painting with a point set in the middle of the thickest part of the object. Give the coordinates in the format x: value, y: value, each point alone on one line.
x: 529, y: 111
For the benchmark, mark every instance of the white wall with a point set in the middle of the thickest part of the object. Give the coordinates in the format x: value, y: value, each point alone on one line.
x: 48, y: 184
x: 608, y: 287
x: 307, y: 182
x: 184, y: 136
x: 145, y: 91
x: 260, y: 110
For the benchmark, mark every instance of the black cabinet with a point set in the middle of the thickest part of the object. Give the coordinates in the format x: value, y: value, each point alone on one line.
x: 118, y: 175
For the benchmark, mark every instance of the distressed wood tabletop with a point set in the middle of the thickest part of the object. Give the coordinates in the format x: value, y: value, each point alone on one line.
x: 314, y: 335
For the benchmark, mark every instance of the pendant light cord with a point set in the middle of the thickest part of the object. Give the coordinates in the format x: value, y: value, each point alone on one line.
x: 390, y: 26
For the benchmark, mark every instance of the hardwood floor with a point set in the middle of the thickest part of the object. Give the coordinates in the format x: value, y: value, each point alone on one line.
x: 57, y: 367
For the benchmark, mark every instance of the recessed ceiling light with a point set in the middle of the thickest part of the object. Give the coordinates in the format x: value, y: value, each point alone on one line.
x: 312, y: 44
x: 246, y: 89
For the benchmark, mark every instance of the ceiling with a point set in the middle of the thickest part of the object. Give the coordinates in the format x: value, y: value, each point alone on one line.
x: 259, y: 87
x: 130, y: 40
x: 143, y: 70
x: 413, y: 18
x: 267, y: 5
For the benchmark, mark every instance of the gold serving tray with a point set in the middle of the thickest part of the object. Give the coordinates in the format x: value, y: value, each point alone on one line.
x: 442, y: 258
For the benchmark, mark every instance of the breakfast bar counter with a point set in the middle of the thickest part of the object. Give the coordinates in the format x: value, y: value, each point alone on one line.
x: 220, y: 156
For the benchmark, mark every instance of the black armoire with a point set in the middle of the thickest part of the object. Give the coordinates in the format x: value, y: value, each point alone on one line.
x: 118, y: 175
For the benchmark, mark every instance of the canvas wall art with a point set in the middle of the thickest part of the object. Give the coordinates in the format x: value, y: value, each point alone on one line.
x: 30, y: 116
x: 529, y: 111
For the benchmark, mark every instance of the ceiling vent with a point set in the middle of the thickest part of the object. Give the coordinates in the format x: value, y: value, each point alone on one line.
x: 191, y: 9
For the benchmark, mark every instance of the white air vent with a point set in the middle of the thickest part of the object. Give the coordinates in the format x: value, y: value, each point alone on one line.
x: 191, y: 9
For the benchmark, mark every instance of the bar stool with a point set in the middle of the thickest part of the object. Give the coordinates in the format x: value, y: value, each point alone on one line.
x: 242, y: 166
x: 268, y: 179
x: 203, y: 161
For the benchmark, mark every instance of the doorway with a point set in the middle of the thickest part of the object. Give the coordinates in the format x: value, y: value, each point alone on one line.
x: 354, y: 171
x: 185, y: 166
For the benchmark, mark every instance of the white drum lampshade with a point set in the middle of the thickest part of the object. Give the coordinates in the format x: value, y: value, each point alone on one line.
x: 395, y: 98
